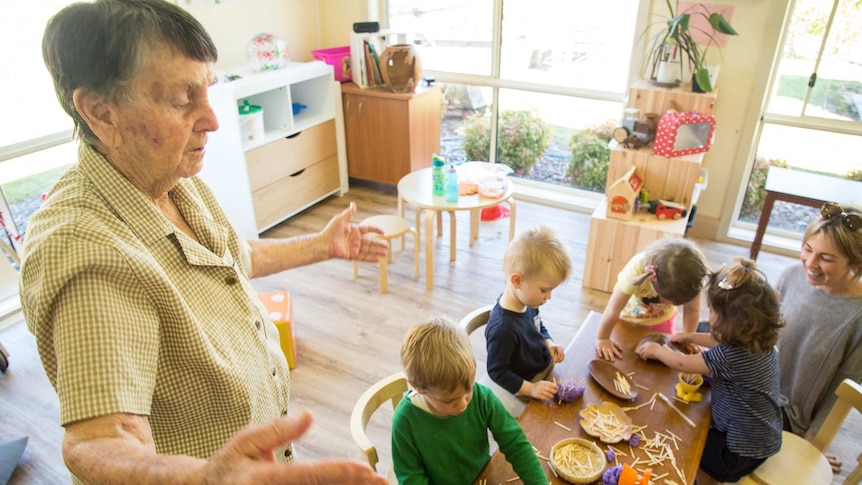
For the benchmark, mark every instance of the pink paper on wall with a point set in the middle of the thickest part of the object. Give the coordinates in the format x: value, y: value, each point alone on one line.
x: 699, y: 23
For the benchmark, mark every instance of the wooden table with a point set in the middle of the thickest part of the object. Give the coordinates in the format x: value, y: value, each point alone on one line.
x: 416, y: 188
x: 803, y: 188
x: 539, y: 419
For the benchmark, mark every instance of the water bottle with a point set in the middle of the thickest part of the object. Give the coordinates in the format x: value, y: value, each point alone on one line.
x: 437, y: 175
x: 451, y: 184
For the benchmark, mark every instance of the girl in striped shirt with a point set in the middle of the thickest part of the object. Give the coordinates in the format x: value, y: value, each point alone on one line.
x: 742, y: 361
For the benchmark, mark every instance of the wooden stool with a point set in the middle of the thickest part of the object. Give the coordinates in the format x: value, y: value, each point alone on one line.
x: 392, y: 227
x: 280, y: 310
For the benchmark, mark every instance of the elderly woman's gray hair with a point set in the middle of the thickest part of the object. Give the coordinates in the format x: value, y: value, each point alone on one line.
x: 100, y: 46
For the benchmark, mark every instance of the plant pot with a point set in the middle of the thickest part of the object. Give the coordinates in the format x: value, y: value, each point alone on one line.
x: 401, y: 68
x: 695, y: 87
x: 667, y: 74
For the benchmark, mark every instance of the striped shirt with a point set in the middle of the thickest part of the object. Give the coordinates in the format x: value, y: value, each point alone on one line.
x: 745, y: 399
x: 132, y: 315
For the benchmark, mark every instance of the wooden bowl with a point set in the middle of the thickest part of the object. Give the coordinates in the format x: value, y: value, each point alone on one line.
x: 578, y: 460
x: 664, y: 339
x: 607, y: 422
x: 606, y: 374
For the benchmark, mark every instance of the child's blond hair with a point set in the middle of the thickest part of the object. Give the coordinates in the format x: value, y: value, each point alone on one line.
x: 538, y: 251
x: 746, y: 308
x: 676, y: 268
x: 437, y: 355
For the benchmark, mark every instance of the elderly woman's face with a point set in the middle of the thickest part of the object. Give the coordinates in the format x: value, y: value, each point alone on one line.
x: 826, y: 267
x: 164, y: 127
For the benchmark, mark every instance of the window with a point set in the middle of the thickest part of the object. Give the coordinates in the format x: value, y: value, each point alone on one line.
x: 34, y: 130
x: 553, y: 65
x: 812, y: 120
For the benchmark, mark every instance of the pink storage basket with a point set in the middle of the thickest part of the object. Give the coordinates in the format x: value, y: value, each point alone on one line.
x: 338, y: 58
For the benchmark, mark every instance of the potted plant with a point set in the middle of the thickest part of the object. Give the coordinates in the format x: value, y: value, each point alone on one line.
x: 676, y: 42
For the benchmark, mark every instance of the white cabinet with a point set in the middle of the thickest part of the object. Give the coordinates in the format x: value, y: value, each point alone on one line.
x: 297, y: 162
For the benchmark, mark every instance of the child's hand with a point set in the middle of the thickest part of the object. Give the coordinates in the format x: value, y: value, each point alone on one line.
x: 543, y: 390
x: 648, y: 350
x: 557, y: 353
x: 608, y: 349
x: 686, y: 343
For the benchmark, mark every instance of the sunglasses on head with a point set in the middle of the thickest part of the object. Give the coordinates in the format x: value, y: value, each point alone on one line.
x: 851, y: 221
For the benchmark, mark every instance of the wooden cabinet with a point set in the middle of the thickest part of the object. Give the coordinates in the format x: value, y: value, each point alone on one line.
x: 390, y: 134
x: 612, y: 242
x: 262, y: 181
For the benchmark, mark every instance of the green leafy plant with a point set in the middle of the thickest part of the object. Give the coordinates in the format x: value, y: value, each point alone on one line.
x: 679, y: 31
x: 755, y: 193
x: 588, y: 167
x: 522, y: 138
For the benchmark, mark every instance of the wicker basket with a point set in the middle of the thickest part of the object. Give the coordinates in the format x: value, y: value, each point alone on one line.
x: 588, y: 465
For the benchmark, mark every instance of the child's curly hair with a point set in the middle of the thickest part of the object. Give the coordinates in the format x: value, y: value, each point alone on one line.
x: 745, y: 305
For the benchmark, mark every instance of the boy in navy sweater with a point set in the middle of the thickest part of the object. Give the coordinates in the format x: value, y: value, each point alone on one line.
x: 521, y: 352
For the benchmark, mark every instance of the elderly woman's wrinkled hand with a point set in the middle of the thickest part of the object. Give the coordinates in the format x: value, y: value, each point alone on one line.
x: 248, y: 458
x: 350, y: 241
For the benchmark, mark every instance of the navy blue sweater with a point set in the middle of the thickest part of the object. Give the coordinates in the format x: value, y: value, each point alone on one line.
x: 516, y: 347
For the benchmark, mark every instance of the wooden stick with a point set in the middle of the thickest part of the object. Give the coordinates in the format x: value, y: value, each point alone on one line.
x: 562, y: 426
x: 676, y: 409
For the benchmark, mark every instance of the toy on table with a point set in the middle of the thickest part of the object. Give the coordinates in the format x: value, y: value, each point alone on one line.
x: 625, y: 475
x: 686, y: 388
x: 568, y: 391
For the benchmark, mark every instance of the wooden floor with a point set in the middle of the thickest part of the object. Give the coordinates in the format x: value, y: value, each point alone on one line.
x: 348, y: 333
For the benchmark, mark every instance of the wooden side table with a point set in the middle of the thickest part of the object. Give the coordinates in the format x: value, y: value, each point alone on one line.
x: 803, y: 188
x: 415, y: 188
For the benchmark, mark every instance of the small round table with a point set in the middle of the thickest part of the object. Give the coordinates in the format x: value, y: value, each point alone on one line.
x: 416, y: 188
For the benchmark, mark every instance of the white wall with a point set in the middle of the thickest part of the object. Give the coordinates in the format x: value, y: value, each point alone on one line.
x: 233, y: 24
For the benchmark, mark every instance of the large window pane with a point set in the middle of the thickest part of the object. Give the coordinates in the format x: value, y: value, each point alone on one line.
x: 455, y: 36
x: 33, y: 110
x: 837, y: 93
x: 24, y: 180
x: 802, y: 149
x: 463, y: 104
x: 581, y: 44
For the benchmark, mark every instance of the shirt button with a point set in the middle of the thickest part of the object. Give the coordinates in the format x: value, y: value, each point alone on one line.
x: 230, y: 280
x: 257, y: 324
x: 288, y: 452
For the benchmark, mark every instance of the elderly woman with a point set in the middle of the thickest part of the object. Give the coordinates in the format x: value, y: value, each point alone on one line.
x: 821, y: 299
x: 167, y: 368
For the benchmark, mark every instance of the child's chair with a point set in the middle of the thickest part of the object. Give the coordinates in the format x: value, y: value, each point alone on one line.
x: 802, y: 462
x: 475, y: 319
x: 390, y: 388
x: 392, y: 227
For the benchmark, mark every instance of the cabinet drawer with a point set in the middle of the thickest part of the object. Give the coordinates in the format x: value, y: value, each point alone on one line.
x: 287, y: 156
x: 288, y: 195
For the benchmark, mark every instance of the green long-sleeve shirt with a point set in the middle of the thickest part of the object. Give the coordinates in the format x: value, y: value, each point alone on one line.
x: 427, y: 449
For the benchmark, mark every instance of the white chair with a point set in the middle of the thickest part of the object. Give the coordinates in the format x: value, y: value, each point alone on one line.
x: 390, y: 388
x: 475, y: 319
x: 802, y: 462
x: 392, y: 227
